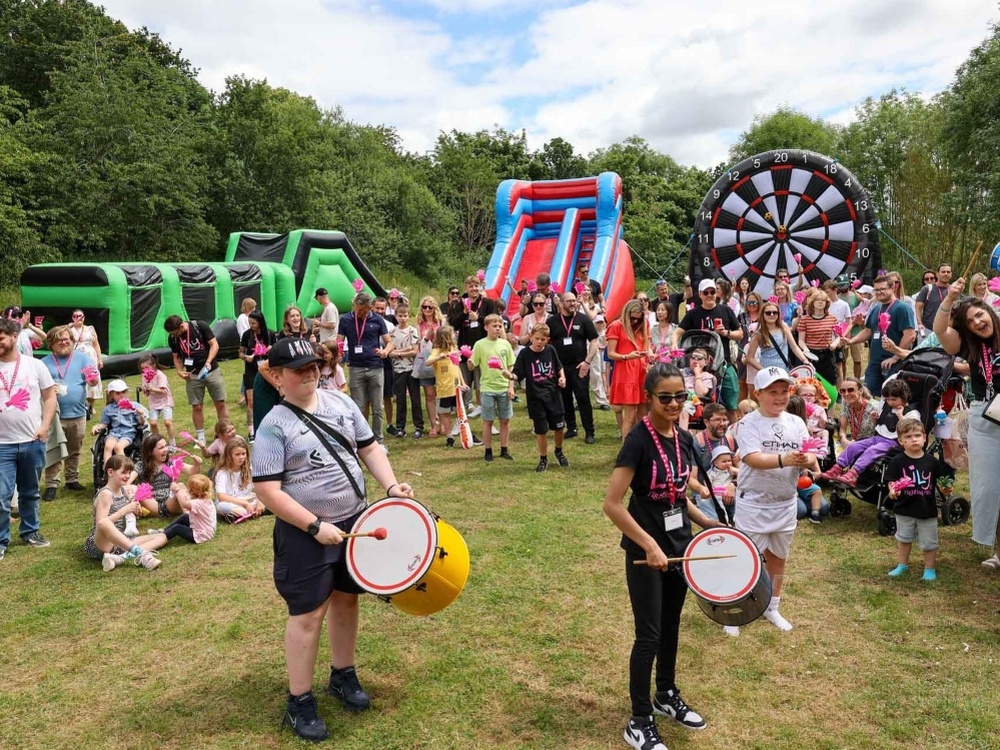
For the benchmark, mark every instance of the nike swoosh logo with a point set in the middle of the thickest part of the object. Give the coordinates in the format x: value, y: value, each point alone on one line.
x: 634, y: 734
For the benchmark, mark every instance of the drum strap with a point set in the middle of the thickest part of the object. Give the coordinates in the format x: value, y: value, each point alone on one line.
x: 323, y: 431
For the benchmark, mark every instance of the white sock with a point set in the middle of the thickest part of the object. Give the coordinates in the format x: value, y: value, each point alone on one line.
x: 131, y: 529
x: 774, y: 617
x: 200, y: 434
x: 731, y: 630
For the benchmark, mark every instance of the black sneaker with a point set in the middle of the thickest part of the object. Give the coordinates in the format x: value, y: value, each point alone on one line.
x: 301, y: 716
x: 49, y: 494
x: 572, y: 432
x: 450, y: 442
x: 674, y: 706
x: 476, y: 442
x: 561, y: 458
x: 488, y: 456
x: 417, y: 434
x: 391, y: 429
x: 543, y: 465
x: 642, y: 734
x: 814, y: 517
x: 590, y: 439
x: 35, y: 539
x: 75, y: 486
x: 400, y: 432
x: 506, y: 456
x: 344, y: 685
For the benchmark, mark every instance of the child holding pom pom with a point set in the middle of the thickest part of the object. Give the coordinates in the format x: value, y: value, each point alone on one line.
x: 161, y: 400
x: 444, y: 358
x: 120, y: 418
x: 493, y: 356
x: 912, y: 477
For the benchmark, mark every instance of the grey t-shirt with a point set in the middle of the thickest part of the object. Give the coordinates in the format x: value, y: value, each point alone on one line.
x: 286, y: 450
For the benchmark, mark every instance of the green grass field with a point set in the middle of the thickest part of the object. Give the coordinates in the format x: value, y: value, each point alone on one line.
x: 534, y: 652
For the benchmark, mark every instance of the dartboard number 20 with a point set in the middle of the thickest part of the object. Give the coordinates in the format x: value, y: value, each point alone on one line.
x: 785, y: 209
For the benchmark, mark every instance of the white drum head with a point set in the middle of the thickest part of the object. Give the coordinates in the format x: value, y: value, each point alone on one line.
x: 388, y: 566
x: 722, y: 581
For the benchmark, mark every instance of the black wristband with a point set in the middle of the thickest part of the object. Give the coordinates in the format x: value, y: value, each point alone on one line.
x: 780, y: 464
x: 389, y: 488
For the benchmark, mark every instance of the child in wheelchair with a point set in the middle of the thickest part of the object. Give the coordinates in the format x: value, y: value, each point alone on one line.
x: 121, y: 420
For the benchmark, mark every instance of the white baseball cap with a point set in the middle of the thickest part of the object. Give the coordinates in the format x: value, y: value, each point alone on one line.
x: 117, y: 386
x: 721, y: 450
x: 770, y: 375
x: 706, y: 284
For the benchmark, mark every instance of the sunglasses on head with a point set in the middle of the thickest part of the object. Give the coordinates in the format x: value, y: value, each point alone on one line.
x: 665, y: 398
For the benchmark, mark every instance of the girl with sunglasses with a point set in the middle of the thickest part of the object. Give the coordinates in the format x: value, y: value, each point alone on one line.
x: 657, y: 462
x: 772, y: 342
x: 749, y: 321
x: 628, y: 349
x: 536, y: 317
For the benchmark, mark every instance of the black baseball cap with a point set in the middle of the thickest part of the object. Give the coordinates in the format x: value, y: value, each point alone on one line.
x: 292, y: 353
x: 13, y: 312
x: 321, y: 292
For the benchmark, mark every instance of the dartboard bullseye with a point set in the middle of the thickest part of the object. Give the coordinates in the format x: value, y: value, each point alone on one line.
x: 773, y: 208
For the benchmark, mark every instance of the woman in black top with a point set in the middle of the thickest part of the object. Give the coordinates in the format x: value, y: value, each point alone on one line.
x: 656, y: 461
x: 254, y: 345
x: 971, y: 330
x: 265, y: 386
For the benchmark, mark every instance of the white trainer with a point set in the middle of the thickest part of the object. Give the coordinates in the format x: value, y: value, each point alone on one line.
x: 148, y: 560
x: 111, y: 561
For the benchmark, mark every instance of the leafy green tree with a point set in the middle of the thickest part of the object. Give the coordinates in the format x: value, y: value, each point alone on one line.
x: 784, y: 128
x: 558, y: 161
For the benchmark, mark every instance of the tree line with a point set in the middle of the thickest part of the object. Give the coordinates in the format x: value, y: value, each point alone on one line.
x: 110, y: 149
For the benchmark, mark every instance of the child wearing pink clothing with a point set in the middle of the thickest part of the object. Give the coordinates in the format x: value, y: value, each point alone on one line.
x: 161, y: 401
x: 199, y: 523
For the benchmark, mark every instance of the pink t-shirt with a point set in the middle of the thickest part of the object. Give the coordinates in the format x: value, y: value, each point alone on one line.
x: 202, y: 515
x: 216, y: 448
x: 158, y: 401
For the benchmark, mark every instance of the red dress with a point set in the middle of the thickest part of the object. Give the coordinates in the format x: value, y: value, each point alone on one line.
x: 628, y: 375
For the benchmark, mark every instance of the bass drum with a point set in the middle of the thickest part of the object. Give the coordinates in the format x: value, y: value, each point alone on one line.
x: 422, y: 564
x: 731, y: 591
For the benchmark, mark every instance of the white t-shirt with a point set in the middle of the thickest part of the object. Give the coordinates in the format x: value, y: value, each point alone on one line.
x: 330, y: 315
x: 17, y: 426
x: 242, y: 324
x: 767, y: 488
x: 228, y: 482
x: 840, y: 310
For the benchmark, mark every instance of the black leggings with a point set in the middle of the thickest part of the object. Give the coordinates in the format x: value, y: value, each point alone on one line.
x: 826, y: 365
x: 657, y: 600
x: 407, y: 384
x: 182, y: 528
x: 579, y: 387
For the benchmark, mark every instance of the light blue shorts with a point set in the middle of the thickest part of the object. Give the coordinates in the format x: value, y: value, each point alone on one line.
x: 496, y: 405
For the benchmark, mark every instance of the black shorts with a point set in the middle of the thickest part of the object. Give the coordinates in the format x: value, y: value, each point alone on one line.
x: 307, y: 572
x: 548, y: 421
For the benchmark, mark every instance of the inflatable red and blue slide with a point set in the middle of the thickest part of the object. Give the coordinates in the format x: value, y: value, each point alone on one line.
x: 549, y: 226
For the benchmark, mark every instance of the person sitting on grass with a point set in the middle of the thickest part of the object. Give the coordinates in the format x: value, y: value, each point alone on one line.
x: 539, y: 368
x: 861, y: 454
x: 122, y: 422
x: 198, y: 524
x: 915, y: 506
x: 224, y: 432
x: 234, y: 493
x: 496, y: 392
x: 170, y: 496
x: 107, y: 541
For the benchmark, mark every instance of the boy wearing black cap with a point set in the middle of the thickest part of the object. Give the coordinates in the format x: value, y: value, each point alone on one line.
x: 328, y: 321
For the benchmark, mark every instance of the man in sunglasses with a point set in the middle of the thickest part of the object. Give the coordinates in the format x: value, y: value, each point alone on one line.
x: 711, y: 316
x: 901, y: 329
x: 929, y: 299
x: 574, y: 338
x: 583, y: 276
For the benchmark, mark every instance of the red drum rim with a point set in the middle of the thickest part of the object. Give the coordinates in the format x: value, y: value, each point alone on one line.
x: 693, y: 550
x: 426, y: 557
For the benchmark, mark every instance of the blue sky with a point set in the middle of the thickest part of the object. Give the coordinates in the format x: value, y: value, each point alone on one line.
x: 688, y: 77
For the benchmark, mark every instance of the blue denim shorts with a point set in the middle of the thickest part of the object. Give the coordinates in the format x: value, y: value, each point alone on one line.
x: 496, y: 406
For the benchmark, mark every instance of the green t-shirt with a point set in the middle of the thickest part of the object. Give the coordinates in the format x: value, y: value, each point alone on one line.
x: 490, y: 379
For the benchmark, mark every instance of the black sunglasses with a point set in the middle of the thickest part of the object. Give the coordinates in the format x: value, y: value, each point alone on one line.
x: 538, y: 304
x: 709, y: 291
x: 769, y: 313
x: 427, y: 307
x: 665, y: 398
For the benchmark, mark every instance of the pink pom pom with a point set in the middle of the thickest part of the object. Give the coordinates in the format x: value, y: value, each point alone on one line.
x: 901, y: 484
x: 554, y: 287
x: 797, y: 257
x: 90, y: 374
x: 690, y: 307
x: 815, y: 283
x: 173, y: 468
x: 468, y: 304
x: 358, y: 285
x: 993, y: 284
x: 185, y: 435
x: 773, y: 299
x: 840, y: 329
x: 532, y: 287
x: 36, y: 344
x: 19, y: 400
x: 494, y: 363
x: 481, y: 274
x: 800, y: 297
x: 260, y: 349
x: 883, y: 322
x: 143, y: 492
x: 455, y: 358
x: 465, y: 350
x: 579, y: 287
x: 124, y: 403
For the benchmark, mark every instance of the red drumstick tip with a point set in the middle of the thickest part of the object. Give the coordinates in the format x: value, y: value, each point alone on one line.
x: 380, y: 533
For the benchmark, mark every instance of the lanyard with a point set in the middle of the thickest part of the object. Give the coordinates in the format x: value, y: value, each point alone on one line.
x: 9, y: 385
x: 358, y: 330
x: 986, y: 367
x: 672, y: 473
x: 568, y: 326
x: 856, y: 422
x: 185, y: 343
x: 61, y: 374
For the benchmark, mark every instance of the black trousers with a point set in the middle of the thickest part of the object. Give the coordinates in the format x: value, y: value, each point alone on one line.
x: 826, y: 365
x: 657, y: 600
x: 406, y: 384
x: 182, y: 528
x: 579, y: 387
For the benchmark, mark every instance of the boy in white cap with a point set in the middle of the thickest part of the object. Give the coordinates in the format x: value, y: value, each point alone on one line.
x: 770, y: 443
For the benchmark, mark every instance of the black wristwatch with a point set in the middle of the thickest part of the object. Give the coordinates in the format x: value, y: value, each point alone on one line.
x: 313, y: 528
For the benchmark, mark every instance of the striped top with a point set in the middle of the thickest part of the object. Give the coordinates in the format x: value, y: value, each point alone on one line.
x: 818, y: 332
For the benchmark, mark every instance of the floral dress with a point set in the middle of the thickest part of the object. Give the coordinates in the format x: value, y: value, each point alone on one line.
x: 85, y: 341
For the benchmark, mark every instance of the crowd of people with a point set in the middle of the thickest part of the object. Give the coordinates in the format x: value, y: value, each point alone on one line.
x: 718, y: 433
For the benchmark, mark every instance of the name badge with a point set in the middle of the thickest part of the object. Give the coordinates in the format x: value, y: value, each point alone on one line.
x: 568, y: 341
x: 576, y: 328
x: 473, y: 324
x: 359, y: 349
x: 672, y: 519
x: 876, y: 337
x: 61, y: 389
x: 189, y: 362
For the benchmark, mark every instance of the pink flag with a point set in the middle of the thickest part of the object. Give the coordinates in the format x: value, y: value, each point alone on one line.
x: 532, y: 287
x: 883, y: 322
x: 148, y: 373
x: 901, y: 484
x: 19, y: 400
x: 579, y: 287
x: 481, y: 274
x: 494, y: 363
x: 358, y: 285
x: 143, y: 492
x: 465, y: 350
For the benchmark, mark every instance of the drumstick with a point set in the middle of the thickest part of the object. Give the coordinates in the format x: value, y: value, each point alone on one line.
x: 689, y: 559
x: 972, y: 260
x: 379, y: 533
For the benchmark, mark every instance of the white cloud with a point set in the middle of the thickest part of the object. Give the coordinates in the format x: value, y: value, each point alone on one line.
x: 685, y: 76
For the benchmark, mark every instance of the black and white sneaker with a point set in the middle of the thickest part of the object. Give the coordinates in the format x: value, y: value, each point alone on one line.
x: 35, y: 539
x: 344, y: 684
x: 302, y: 717
x: 642, y: 734
x: 391, y: 429
x: 674, y: 707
